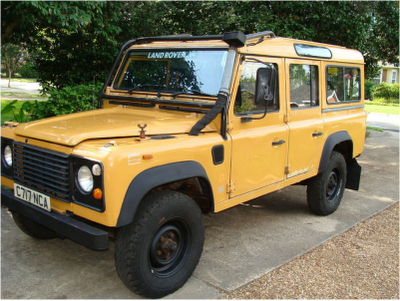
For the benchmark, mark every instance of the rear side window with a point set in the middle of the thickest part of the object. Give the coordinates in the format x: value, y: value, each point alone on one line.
x: 343, y: 84
x: 303, y: 86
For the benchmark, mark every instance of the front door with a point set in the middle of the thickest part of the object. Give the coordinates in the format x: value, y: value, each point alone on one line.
x: 259, y: 138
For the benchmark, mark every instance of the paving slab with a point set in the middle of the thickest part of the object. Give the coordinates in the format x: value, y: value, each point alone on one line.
x: 242, y: 243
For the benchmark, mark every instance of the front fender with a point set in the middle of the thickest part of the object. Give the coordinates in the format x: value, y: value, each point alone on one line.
x: 154, y: 177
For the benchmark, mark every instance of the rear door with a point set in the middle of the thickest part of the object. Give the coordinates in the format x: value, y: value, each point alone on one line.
x: 306, y: 128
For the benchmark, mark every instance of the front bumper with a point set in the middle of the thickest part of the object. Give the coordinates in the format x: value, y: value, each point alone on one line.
x: 64, y: 225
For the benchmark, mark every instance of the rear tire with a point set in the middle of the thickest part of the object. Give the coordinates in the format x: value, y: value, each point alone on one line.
x: 157, y: 253
x: 325, y: 190
x: 33, y: 228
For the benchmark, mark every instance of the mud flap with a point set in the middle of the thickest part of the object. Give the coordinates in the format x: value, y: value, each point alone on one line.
x: 353, y: 175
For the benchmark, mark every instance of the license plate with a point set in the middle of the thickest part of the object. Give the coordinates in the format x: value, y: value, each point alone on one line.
x: 31, y: 196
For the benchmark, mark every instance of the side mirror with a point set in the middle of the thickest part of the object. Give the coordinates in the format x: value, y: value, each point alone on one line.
x: 265, y: 86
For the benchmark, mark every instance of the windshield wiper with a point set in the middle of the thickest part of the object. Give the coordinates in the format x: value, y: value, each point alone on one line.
x: 191, y: 92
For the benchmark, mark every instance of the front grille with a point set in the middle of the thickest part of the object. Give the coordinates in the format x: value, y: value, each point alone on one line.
x: 43, y: 170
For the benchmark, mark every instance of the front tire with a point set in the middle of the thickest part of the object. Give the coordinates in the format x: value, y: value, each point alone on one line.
x: 157, y: 253
x: 33, y: 228
x: 325, y: 190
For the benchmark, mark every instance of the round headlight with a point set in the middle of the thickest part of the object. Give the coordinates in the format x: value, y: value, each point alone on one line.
x: 85, y: 179
x: 8, y: 159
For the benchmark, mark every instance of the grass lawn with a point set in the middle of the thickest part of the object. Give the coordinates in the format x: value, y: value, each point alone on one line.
x: 25, y: 80
x: 21, y: 95
x: 381, y: 109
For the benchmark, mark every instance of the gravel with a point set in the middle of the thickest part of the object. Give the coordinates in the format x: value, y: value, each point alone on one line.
x: 361, y: 263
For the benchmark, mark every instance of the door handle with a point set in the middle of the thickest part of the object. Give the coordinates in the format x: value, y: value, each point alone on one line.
x: 317, y: 134
x: 278, y: 142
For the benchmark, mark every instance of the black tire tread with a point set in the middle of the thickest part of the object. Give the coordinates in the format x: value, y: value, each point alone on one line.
x: 129, y: 239
x: 33, y: 228
x: 316, y: 198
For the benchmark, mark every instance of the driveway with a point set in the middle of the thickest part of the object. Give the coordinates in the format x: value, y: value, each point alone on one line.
x: 242, y: 243
x: 386, y: 122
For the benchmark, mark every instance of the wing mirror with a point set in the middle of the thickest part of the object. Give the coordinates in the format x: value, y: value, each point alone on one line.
x: 265, y: 86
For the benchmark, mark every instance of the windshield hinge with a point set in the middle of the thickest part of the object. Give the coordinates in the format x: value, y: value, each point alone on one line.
x: 229, y: 127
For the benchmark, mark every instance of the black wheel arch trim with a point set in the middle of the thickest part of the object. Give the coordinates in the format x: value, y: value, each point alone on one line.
x: 154, y: 177
x: 330, y: 143
x: 353, y: 168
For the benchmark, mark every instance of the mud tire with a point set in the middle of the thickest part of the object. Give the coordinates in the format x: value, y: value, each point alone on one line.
x: 157, y: 253
x: 33, y: 228
x: 325, y: 190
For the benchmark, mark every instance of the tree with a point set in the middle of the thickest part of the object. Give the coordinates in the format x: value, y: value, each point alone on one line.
x: 11, y: 59
x: 78, y: 40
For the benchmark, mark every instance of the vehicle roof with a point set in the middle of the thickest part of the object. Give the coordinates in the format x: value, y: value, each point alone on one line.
x: 284, y: 47
x: 264, y: 43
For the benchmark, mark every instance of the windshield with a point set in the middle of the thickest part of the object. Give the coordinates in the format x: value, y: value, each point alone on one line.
x: 173, y: 71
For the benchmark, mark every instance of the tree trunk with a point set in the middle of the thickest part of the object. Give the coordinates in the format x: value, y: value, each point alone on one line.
x: 9, y: 78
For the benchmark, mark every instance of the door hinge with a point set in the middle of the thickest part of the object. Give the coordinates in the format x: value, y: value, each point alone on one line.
x: 231, y: 187
x: 286, y: 118
x: 287, y: 170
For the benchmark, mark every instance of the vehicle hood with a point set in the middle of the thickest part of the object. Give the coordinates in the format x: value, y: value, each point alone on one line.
x: 117, y: 122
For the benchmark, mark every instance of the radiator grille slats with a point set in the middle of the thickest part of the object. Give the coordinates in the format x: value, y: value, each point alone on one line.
x: 43, y: 170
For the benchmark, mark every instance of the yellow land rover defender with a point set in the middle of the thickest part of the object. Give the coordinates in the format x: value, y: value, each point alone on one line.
x: 187, y: 124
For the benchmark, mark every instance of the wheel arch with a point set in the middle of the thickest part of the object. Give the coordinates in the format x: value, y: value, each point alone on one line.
x: 161, y: 177
x: 340, y: 142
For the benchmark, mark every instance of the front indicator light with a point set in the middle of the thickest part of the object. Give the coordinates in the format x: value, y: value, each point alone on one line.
x: 97, y: 194
x: 85, y: 179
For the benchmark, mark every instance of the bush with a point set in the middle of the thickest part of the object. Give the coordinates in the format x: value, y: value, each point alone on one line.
x: 368, y: 85
x: 386, y: 93
x: 70, y: 99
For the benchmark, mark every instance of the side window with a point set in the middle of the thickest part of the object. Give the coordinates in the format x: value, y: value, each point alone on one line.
x: 245, y: 103
x: 304, y: 90
x: 343, y: 84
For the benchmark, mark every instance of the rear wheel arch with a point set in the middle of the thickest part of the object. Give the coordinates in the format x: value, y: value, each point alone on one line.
x: 166, y: 177
x: 340, y: 142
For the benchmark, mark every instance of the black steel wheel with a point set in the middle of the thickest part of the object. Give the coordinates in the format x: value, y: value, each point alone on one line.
x: 325, y: 190
x: 158, y: 252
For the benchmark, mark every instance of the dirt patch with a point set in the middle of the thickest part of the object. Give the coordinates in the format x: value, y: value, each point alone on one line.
x: 362, y: 263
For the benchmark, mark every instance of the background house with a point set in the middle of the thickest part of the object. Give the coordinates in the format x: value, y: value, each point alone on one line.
x: 389, y: 73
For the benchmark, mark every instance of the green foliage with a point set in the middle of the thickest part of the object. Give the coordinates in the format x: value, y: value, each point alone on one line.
x: 386, y: 93
x: 21, y: 115
x: 368, y: 85
x: 70, y: 99
x: 78, y: 40
x: 11, y: 59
